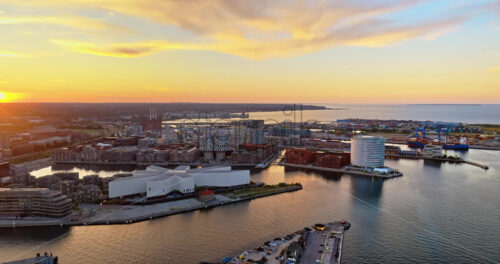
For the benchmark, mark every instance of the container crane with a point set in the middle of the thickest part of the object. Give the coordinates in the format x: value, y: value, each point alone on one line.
x: 419, y: 140
x: 446, y: 131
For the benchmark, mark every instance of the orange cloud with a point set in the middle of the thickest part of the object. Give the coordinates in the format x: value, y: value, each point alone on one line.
x: 253, y: 29
x: 354, y: 35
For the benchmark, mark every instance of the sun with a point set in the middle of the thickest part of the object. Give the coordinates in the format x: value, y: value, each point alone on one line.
x: 6, y: 97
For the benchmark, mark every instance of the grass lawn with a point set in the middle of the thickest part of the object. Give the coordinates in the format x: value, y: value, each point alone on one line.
x: 267, y: 189
x: 92, y: 132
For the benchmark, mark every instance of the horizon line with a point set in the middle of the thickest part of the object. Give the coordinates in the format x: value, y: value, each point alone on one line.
x: 298, y: 103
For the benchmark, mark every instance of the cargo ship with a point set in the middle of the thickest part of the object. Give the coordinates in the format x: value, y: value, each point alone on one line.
x: 418, y: 140
x: 416, y: 143
x: 457, y: 146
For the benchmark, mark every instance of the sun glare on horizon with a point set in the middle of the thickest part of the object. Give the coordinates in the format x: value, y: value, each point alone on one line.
x: 6, y: 97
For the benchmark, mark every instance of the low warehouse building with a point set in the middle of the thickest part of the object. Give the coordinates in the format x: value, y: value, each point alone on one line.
x: 158, y: 181
x: 207, y: 195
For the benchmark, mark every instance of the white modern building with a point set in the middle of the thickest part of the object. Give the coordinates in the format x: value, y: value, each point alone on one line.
x: 367, y: 151
x: 430, y: 151
x: 158, y: 181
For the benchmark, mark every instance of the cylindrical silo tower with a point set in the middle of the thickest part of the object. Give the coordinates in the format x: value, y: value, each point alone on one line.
x: 367, y: 151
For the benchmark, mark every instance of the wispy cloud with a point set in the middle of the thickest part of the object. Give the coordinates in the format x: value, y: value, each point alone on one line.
x: 254, y: 29
x: 72, y: 22
x: 354, y: 35
x: 125, y: 50
x: 13, y: 54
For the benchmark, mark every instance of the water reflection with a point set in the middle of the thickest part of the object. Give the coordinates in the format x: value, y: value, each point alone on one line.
x: 333, y: 176
x: 389, y: 220
x: 433, y: 163
x: 32, y: 234
x: 367, y: 188
x: 85, y: 169
x: 95, y: 167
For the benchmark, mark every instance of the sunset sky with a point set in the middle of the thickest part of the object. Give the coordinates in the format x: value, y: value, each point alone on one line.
x: 250, y: 51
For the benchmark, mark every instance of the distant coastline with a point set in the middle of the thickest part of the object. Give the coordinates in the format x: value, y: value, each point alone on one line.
x: 91, y: 110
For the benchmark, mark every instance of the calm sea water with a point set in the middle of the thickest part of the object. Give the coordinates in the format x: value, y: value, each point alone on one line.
x: 435, y: 213
x: 473, y: 114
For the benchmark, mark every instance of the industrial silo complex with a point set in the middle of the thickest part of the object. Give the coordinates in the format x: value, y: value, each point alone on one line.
x: 368, y: 151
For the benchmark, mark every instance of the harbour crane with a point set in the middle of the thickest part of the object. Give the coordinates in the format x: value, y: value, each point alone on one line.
x: 446, y: 132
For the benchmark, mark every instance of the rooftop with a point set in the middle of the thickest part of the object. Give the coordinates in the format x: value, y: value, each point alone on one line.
x: 157, y: 172
x: 23, y: 189
x: 367, y: 137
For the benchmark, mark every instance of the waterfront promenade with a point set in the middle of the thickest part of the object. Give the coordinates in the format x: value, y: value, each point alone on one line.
x: 128, y: 214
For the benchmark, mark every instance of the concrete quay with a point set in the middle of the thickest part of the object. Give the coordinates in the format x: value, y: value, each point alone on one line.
x: 325, y: 245
x: 163, y: 164
x: 341, y: 170
x: 387, y: 141
x: 128, y: 214
x: 441, y: 160
x: 315, y: 244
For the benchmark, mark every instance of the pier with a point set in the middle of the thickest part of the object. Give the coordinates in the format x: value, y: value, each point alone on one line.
x: 324, y: 243
x: 320, y: 243
x: 397, y: 142
x: 399, y: 156
x: 341, y: 170
x: 476, y: 164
